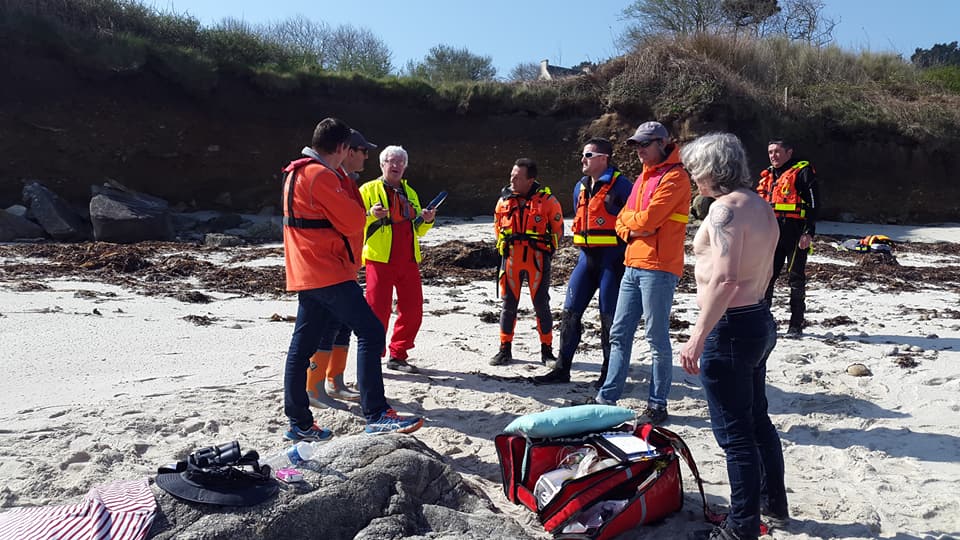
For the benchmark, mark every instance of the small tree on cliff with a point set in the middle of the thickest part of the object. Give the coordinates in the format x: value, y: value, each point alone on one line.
x: 358, y: 49
x: 445, y: 64
x: 525, y: 71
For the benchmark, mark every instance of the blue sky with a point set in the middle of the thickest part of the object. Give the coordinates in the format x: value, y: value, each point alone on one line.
x: 563, y: 31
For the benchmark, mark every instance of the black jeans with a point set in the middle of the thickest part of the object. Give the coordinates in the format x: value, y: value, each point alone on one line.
x: 733, y: 372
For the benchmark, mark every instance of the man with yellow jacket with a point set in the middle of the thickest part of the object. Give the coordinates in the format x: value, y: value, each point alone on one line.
x: 391, y: 251
x: 654, y: 225
x: 322, y: 234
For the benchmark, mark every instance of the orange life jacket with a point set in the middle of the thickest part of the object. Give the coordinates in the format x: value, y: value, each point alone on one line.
x: 593, y: 225
x: 535, y: 221
x: 782, y: 192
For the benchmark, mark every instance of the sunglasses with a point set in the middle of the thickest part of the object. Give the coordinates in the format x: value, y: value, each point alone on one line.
x: 589, y: 155
x: 645, y: 144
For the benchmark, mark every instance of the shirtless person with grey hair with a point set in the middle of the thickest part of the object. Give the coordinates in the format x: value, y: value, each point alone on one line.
x: 735, y: 332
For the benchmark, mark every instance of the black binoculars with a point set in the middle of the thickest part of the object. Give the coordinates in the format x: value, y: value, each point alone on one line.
x: 216, y: 456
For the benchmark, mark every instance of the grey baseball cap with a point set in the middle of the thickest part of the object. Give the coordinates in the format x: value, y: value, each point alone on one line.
x: 649, y: 131
x: 357, y: 140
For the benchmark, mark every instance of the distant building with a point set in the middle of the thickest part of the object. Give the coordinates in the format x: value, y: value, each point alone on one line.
x: 549, y: 73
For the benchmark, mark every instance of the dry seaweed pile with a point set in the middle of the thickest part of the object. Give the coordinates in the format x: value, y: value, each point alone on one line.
x: 177, y: 270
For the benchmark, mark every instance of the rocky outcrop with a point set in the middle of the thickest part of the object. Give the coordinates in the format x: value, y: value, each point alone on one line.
x: 390, y: 486
x: 124, y: 216
x: 57, y: 218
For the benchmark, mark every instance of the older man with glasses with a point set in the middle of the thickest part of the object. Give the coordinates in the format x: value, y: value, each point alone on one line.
x: 391, y: 250
x: 654, y: 225
x: 598, y: 198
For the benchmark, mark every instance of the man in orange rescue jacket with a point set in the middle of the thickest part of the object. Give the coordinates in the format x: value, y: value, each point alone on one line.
x: 654, y: 225
x: 790, y: 186
x: 528, y: 222
x: 323, y: 223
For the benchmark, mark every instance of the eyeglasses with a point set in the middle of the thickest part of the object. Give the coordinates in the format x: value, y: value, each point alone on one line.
x: 589, y: 155
x: 645, y: 144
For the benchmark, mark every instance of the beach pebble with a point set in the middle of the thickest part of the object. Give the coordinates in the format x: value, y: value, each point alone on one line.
x: 929, y: 354
x: 916, y: 348
x: 858, y: 370
x: 236, y: 327
x: 829, y: 335
x: 932, y: 336
x: 892, y: 351
x: 863, y: 334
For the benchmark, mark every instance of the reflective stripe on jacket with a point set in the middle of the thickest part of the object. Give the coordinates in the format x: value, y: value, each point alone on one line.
x: 782, y: 192
x: 594, y: 224
x: 535, y: 219
x: 658, y: 206
x: 316, y: 254
x: 378, y: 233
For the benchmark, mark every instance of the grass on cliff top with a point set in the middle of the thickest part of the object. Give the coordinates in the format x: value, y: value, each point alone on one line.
x: 665, y: 78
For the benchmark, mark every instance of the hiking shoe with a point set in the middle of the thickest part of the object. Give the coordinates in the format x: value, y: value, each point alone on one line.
x: 341, y: 392
x: 774, y: 519
x: 314, y: 433
x: 546, y: 355
x: 793, y: 333
x: 391, y: 422
x: 653, y: 415
x: 401, y: 365
x: 557, y: 376
x: 504, y: 356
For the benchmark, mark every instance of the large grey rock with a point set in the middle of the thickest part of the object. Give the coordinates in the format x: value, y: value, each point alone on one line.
x: 14, y: 227
x: 126, y: 217
x: 383, y: 487
x: 53, y: 214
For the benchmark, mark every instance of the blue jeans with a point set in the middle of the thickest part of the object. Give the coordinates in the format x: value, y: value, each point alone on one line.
x: 646, y: 294
x: 733, y: 370
x: 318, y: 311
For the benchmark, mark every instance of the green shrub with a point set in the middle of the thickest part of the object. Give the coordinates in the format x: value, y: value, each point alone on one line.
x: 946, y: 77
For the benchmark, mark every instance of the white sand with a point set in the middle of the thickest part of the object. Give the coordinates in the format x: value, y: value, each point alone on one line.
x: 86, y: 398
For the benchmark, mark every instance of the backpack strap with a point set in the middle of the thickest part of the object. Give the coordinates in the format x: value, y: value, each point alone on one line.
x: 683, y: 450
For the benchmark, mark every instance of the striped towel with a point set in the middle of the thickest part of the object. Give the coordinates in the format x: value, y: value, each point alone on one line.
x: 121, y: 510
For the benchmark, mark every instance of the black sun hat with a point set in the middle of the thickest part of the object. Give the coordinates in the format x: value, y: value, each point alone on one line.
x: 219, y: 475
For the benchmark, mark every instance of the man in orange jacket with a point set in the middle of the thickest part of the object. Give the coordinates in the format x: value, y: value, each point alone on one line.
x: 790, y: 186
x: 528, y: 222
x: 654, y: 225
x: 322, y: 238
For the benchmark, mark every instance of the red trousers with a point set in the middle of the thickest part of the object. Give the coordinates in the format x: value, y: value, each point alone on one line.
x: 382, y: 279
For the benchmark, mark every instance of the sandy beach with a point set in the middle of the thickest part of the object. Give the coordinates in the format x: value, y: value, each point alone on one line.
x: 107, y: 379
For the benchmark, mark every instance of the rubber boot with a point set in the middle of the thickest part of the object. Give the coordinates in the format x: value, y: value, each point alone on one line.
x: 606, y: 323
x: 504, y: 356
x: 335, y: 386
x: 558, y: 375
x: 316, y: 382
x: 546, y: 355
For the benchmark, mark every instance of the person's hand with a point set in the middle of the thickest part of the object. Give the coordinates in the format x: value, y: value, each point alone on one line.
x: 690, y: 357
x: 378, y: 211
x: 429, y: 214
x: 805, y: 241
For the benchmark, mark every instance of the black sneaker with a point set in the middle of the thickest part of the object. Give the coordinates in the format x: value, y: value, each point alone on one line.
x: 504, y: 356
x: 653, y: 415
x: 401, y: 365
x: 546, y: 355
